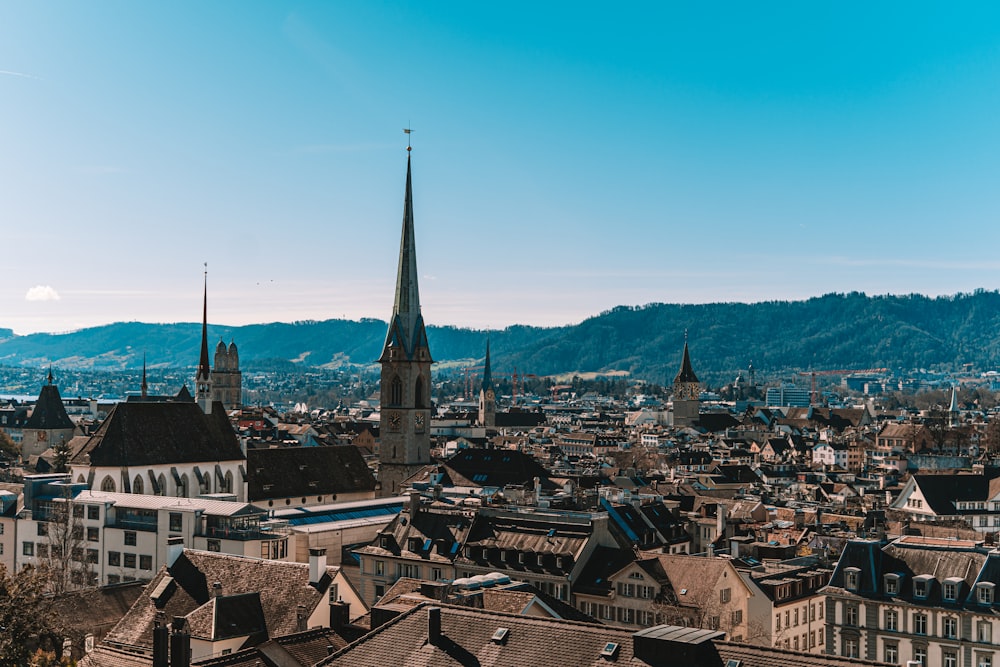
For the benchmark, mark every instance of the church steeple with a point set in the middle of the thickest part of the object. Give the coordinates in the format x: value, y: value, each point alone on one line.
x: 487, y: 394
x: 406, y: 333
x: 405, y: 385
x: 686, y: 373
x: 686, y: 392
x: 487, y: 371
x: 203, y: 380
x: 144, y: 388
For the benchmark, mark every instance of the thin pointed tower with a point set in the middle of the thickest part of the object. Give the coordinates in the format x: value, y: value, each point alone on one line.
x: 203, y: 380
x: 404, y: 421
x: 487, y: 395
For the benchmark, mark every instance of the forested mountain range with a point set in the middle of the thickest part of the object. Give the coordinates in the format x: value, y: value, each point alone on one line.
x: 835, y: 331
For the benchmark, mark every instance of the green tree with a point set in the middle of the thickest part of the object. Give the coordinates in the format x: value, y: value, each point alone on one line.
x: 8, y: 446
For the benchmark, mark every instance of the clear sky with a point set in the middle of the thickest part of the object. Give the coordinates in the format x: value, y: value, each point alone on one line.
x: 568, y: 156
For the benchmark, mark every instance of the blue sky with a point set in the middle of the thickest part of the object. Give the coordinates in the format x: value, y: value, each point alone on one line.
x: 568, y: 157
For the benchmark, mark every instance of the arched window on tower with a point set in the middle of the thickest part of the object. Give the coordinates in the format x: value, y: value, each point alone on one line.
x: 162, y: 482
x: 229, y: 482
x: 137, y: 484
x: 396, y: 391
x: 108, y: 484
x: 182, y: 488
x: 418, y: 392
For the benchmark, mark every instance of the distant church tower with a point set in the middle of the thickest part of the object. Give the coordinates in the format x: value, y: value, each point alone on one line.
x: 404, y: 421
x: 487, y: 395
x: 686, y: 391
x: 227, y: 380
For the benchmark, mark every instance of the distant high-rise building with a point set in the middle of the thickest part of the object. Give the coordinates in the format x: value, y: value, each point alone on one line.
x: 405, y: 396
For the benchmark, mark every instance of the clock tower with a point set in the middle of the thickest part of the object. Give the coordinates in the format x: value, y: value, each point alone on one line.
x: 405, y: 394
x: 686, y: 391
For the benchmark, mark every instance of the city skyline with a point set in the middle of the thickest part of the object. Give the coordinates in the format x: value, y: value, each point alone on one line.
x: 566, y: 159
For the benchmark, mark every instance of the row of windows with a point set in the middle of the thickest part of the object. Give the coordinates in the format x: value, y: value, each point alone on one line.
x: 890, y: 654
x: 922, y: 586
x: 793, y: 619
x: 803, y: 642
x: 117, y: 559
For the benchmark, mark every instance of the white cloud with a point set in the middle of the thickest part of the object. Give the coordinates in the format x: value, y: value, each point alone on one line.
x: 41, y: 293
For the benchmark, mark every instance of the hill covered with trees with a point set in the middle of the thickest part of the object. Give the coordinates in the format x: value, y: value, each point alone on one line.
x: 834, y: 331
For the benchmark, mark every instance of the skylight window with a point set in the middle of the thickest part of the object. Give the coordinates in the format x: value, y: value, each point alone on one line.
x: 500, y: 636
x: 610, y: 650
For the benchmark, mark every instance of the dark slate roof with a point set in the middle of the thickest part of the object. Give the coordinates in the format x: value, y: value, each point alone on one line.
x: 49, y: 412
x: 603, y: 562
x: 467, y: 639
x: 714, y: 422
x: 686, y: 373
x: 187, y: 585
x: 519, y: 418
x: 137, y: 434
x: 285, y: 472
x: 941, y: 491
x: 495, y: 467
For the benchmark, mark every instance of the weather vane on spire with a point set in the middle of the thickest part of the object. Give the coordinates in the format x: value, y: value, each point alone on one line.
x: 408, y: 132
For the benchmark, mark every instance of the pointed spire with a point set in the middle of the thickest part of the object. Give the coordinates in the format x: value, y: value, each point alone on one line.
x: 50, y: 374
x: 406, y: 327
x: 487, y: 372
x: 204, y: 369
x: 686, y: 373
x: 144, y: 387
x: 954, y: 400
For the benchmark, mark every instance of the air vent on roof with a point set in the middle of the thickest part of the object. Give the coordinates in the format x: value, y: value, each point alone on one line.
x: 684, y: 591
x: 733, y: 662
x: 610, y: 651
x: 500, y: 636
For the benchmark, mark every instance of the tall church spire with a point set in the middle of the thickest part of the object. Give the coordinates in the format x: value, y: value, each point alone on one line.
x: 406, y: 327
x: 144, y: 388
x: 405, y: 385
x: 203, y: 380
x: 487, y: 371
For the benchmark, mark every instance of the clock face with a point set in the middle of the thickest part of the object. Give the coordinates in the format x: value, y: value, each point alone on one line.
x: 418, y: 421
x: 394, y: 421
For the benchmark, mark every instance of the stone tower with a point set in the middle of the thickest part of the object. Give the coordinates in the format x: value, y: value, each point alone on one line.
x: 686, y: 391
x: 405, y: 396
x: 487, y: 395
x: 227, y: 380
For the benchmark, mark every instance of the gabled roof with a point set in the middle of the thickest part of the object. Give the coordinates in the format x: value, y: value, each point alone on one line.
x: 188, y: 584
x: 284, y: 472
x: 139, y: 434
x: 942, y: 491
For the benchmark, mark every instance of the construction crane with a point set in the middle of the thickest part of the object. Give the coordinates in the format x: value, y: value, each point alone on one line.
x: 849, y: 371
x: 470, y: 376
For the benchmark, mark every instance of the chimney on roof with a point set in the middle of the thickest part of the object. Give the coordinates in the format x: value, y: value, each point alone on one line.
x: 180, y: 644
x: 161, y: 641
x: 721, y: 514
x: 175, y: 547
x: 340, y: 614
x: 317, y: 565
x: 217, y: 589
x: 434, y: 625
x: 710, y: 551
x: 301, y: 618
x: 414, y: 503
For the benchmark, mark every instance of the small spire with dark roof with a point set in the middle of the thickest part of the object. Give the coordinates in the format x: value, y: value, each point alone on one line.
x: 50, y: 374
x: 686, y: 373
x: 204, y: 369
x: 487, y: 372
x: 144, y: 387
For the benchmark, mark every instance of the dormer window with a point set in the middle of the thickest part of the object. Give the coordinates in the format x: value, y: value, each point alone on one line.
x: 984, y: 592
x: 892, y: 584
x: 851, y: 577
x: 385, y: 541
x: 922, y: 585
x: 950, y: 589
